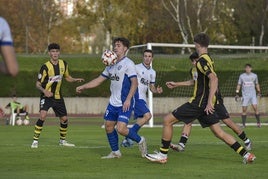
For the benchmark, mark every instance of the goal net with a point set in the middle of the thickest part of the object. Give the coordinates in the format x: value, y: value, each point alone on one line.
x: 171, y: 63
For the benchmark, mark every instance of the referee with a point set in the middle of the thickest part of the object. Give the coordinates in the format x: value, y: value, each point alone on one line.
x: 49, y: 83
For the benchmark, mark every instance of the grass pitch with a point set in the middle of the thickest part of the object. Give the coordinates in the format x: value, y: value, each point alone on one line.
x: 205, y: 156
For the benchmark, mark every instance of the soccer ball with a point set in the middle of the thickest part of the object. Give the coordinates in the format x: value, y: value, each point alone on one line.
x: 26, y: 122
x: 19, y: 122
x: 109, y: 58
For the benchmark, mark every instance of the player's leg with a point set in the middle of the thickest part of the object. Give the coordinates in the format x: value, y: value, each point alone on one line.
x: 229, y: 140
x: 257, y: 114
x: 240, y: 133
x: 130, y: 133
x: 110, y: 118
x: 38, y: 128
x: 245, y: 104
x: 142, y: 115
x: 186, y: 131
x: 224, y: 115
x: 186, y: 113
x: 26, y: 109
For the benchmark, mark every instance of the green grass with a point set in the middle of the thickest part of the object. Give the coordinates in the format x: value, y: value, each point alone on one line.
x: 205, y: 157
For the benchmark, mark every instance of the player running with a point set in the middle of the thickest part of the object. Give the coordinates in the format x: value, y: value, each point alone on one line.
x: 206, y: 105
x: 249, y: 83
x: 49, y: 83
x: 187, y: 127
x: 146, y: 78
x: 9, y: 65
x: 123, y: 86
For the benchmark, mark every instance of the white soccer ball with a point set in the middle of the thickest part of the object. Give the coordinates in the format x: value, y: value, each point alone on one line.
x: 26, y: 122
x: 19, y: 122
x: 109, y: 58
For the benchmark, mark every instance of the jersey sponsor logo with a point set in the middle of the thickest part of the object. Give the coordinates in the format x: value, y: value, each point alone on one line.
x: 114, y: 77
x: 144, y: 81
x: 250, y: 83
x: 56, y: 78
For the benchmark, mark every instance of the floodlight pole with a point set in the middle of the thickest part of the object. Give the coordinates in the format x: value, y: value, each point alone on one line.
x: 150, y: 95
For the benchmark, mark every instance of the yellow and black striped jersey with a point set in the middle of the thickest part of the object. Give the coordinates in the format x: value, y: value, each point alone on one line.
x: 204, y: 67
x: 50, y: 76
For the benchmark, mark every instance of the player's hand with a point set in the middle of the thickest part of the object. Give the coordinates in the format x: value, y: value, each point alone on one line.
x: 79, y: 79
x: 209, y: 109
x: 237, y: 97
x: 126, y: 105
x: 159, y: 90
x: 48, y: 93
x: 79, y: 89
x: 171, y: 84
x: 259, y: 95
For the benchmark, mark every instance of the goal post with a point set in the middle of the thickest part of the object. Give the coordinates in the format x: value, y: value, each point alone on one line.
x: 170, y: 53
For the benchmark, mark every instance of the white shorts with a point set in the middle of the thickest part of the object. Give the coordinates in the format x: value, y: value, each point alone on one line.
x: 248, y: 100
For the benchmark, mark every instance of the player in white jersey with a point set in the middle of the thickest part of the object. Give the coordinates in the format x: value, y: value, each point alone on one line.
x: 123, y: 86
x: 9, y: 65
x: 249, y: 83
x: 146, y: 78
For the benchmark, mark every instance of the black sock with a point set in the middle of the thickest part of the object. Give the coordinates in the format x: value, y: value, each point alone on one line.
x: 165, y: 146
x: 243, y: 136
x: 63, y: 130
x: 183, y: 139
x: 238, y: 149
x: 37, y: 129
x: 244, y: 118
x: 257, y: 117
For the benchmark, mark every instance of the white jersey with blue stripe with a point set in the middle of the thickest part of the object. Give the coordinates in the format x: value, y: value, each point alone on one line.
x: 120, y: 75
x: 5, y: 34
x: 248, y: 82
x: 146, y: 76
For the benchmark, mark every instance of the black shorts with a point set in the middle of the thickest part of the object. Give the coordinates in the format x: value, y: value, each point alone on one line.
x: 221, y: 111
x: 58, y: 106
x: 20, y: 111
x: 188, y: 112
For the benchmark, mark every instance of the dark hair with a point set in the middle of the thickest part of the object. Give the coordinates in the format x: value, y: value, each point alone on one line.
x: 148, y: 51
x: 193, y: 56
x: 248, y: 65
x: 202, y: 39
x: 124, y: 41
x: 53, y: 46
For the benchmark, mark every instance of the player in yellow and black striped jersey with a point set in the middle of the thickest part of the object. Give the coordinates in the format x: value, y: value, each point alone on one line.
x: 49, y: 83
x: 206, y: 105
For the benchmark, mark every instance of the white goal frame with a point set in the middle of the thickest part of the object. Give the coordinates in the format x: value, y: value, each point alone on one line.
x: 151, y: 45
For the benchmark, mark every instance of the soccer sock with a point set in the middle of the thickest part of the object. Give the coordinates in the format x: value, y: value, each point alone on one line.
x: 258, y: 118
x: 244, y: 118
x: 243, y: 136
x: 132, y: 134
x: 136, y: 127
x: 63, y: 130
x: 113, y: 140
x: 183, y: 139
x: 239, y: 149
x: 165, y: 146
x: 37, y: 129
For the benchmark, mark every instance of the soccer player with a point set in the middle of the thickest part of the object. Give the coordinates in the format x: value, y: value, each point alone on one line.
x: 249, y: 83
x: 187, y: 127
x: 123, y: 86
x: 146, y: 78
x: 18, y: 107
x: 206, y: 105
x: 49, y: 82
x: 9, y: 65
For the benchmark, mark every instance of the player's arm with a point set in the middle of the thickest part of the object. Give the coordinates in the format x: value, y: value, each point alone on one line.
x: 40, y: 88
x: 213, y: 87
x: 10, y: 64
x: 133, y: 88
x: 172, y: 84
x: 157, y: 90
x: 71, y: 79
x: 238, y: 87
x: 91, y: 84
